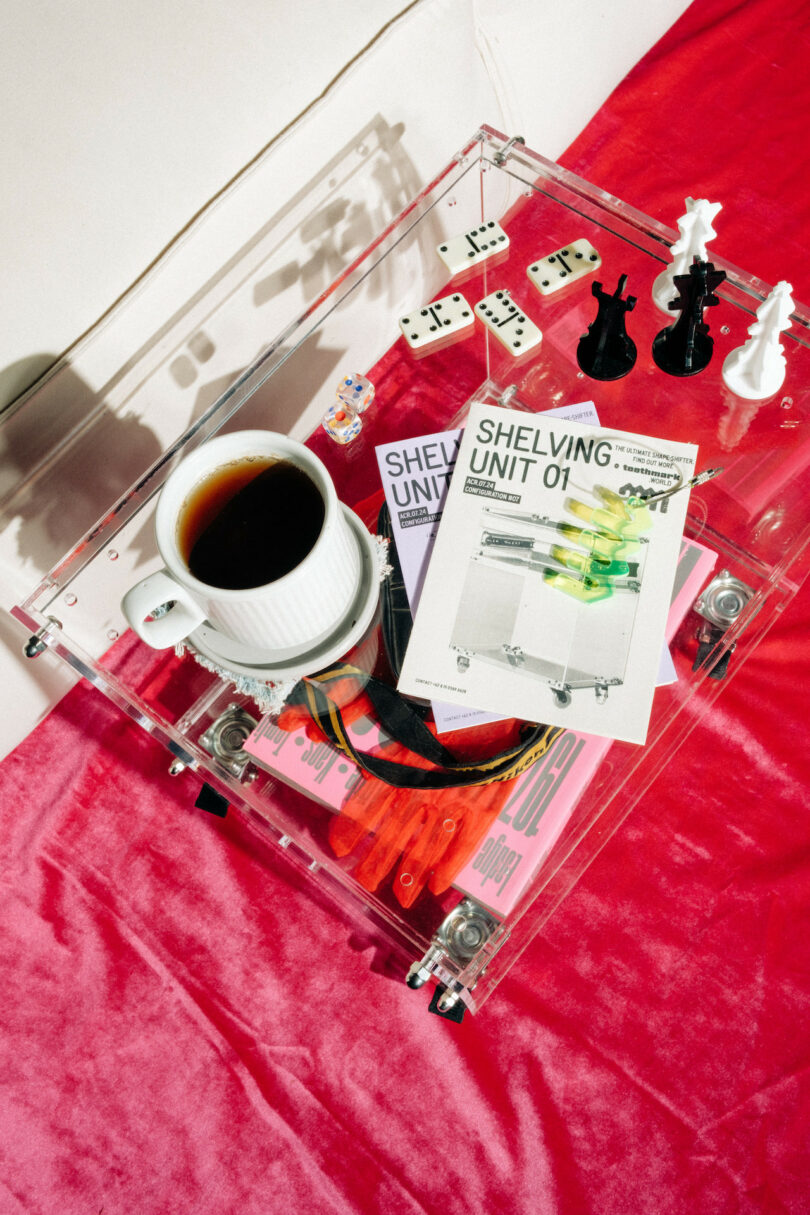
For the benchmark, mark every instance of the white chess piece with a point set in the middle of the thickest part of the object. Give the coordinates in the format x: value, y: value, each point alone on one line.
x: 696, y: 231
x: 757, y: 369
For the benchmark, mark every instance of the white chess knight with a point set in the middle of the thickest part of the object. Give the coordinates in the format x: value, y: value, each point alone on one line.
x: 757, y: 369
x: 696, y: 231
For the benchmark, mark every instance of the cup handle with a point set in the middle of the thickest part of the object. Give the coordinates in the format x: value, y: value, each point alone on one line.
x: 167, y: 628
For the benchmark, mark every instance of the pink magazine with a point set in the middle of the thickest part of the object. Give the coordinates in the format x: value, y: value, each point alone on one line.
x: 531, y: 821
x: 543, y: 798
x: 315, y: 768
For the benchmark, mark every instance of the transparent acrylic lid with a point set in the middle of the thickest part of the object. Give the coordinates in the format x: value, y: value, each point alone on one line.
x: 295, y: 302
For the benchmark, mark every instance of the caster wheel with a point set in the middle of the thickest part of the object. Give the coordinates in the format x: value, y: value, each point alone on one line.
x: 562, y: 699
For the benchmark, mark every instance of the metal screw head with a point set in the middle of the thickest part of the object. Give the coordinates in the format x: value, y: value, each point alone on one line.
x: 723, y: 600
x: 225, y: 738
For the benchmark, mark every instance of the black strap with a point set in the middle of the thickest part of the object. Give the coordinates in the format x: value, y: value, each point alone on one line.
x: 402, y: 723
x: 402, y: 720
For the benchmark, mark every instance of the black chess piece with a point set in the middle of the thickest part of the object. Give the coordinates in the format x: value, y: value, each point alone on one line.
x: 685, y: 348
x: 606, y: 352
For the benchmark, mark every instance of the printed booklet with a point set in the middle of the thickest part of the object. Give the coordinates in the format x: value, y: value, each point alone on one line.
x: 415, y: 475
x: 548, y: 588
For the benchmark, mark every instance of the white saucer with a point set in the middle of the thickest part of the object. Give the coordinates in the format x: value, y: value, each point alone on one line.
x: 259, y: 664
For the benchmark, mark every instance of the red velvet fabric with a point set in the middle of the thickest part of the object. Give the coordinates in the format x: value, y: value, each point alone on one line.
x: 188, y: 1026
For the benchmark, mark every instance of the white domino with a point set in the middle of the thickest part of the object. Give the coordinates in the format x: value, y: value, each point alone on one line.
x: 475, y: 246
x: 451, y: 314
x: 564, y: 266
x: 504, y: 319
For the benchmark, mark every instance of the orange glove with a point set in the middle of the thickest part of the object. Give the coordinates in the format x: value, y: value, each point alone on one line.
x: 431, y: 833
x: 426, y: 834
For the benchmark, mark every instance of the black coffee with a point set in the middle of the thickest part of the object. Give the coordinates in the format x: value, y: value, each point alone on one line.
x: 249, y: 523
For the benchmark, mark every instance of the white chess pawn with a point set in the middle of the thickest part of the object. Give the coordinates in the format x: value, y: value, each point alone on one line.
x: 757, y: 369
x: 696, y: 231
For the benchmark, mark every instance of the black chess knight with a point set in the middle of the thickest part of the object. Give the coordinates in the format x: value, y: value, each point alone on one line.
x: 685, y: 348
x: 606, y: 352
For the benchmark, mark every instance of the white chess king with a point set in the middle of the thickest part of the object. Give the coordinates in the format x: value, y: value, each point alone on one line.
x: 696, y: 231
x: 757, y: 369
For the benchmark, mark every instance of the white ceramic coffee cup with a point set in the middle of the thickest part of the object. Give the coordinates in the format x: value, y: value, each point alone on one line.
x: 287, y: 617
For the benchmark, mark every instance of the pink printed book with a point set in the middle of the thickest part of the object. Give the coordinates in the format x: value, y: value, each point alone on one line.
x: 543, y: 798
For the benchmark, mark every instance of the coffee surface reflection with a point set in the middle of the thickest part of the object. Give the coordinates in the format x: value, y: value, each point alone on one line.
x: 249, y: 523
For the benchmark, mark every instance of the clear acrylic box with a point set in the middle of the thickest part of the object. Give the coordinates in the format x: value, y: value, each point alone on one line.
x: 187, y: 355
